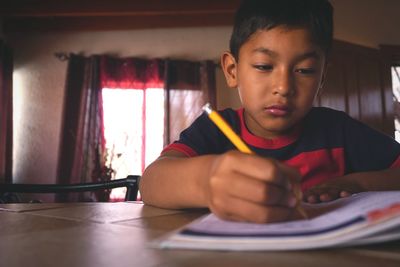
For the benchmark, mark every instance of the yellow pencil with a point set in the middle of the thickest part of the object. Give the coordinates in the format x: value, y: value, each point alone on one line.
x: 242, y: 147
x: 226, y: 129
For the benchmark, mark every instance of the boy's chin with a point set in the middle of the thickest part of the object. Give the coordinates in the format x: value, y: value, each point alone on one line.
x: 282, y: 130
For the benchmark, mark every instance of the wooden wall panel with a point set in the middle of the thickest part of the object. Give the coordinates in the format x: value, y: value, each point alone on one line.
x: 335, y: 86
x: 354, y: 84
x: 371, y: 108
x: 350, y: 70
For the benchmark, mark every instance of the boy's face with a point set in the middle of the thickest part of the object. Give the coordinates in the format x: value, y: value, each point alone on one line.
x: 278, y: 75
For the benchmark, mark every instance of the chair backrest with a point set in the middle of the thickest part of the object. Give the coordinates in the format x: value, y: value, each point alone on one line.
x: 131, y: 182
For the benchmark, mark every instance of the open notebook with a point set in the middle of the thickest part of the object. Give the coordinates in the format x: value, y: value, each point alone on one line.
x: 364, y: 218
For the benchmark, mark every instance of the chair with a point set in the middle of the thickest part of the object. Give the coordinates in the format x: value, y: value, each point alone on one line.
x: 131, y: 182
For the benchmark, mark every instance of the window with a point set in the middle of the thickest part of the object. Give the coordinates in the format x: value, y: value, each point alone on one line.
x: 124, y: 131
x: 133, y: 129
x: 396, y: 96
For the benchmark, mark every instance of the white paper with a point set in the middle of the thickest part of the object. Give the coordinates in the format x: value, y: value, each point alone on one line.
x: 355, y: 206
x: 346, y: 225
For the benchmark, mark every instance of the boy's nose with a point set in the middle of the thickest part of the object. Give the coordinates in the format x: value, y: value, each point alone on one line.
x: 283, y: 83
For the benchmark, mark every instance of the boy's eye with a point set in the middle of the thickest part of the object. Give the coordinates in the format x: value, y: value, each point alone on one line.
x: 263, y: 67
x: 306, y: 71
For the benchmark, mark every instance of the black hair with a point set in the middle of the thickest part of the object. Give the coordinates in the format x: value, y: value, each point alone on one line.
x: 255, y: 15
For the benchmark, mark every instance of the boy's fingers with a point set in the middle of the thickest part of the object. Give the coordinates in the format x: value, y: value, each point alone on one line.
x: 266, y: 169
x: 336, y: 188
x: 244, y: 186
x: 329, y: 194
x: 325, y: 194
x: 311, y: 199
x: 345, y: 194
x: 326, y: 197
x: 260, y: 192
x: 241, y: 210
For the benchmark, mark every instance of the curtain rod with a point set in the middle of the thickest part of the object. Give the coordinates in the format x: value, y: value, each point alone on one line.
x: 62, y: 56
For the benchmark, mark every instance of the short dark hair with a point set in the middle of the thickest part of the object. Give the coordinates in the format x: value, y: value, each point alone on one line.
x: 254, y: 15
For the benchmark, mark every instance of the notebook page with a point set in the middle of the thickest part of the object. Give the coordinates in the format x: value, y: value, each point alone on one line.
x: 351, y: 210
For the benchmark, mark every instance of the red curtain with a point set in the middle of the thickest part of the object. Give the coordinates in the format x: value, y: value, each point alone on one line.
x: 6, y: 113
x: 81, y: 157
x: 189, y: 85
x: 131, y: 73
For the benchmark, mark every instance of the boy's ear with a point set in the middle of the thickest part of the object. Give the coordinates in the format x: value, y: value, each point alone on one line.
x: 229, y: 66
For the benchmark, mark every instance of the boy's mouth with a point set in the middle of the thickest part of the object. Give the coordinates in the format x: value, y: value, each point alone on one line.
x: 278, y: 110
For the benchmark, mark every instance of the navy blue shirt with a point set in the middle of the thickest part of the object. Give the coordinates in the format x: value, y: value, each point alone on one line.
x: 328, y: 144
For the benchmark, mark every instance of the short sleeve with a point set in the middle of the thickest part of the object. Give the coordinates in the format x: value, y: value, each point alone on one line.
x: 368, y: 149
x: 203, y: 137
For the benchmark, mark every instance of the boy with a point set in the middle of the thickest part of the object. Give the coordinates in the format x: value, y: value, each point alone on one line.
x: 277, y: 61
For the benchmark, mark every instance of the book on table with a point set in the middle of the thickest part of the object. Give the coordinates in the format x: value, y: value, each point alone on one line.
x: 364, y: 218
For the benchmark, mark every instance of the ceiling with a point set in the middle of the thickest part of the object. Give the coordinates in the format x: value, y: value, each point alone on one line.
x: 77, y: 15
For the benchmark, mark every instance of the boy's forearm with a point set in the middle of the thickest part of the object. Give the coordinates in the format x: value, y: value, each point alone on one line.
x: 343, y: 186
x: 176, y: 182
x: 384, y: 180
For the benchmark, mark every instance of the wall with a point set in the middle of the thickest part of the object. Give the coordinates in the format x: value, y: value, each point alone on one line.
x: 1, y: 29
x: 39, y: 76
x: 39, y: 81
x: 367, y: 22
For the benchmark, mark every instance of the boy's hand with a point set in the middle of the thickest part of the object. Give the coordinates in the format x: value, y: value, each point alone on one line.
x: 250, y: 188
x: 336, y: 188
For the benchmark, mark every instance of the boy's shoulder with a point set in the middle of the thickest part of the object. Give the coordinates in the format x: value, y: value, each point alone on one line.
x: 326, y: 115
x: 328, y: 120
x: 204, y: 123
x: 229, y: 113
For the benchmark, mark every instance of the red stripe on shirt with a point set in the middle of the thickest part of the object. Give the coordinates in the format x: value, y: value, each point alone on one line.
x: 187, y: 150
x: 318, y: 166
x: 315, y: 167
x: 396, y: 163
x: 261, y: 142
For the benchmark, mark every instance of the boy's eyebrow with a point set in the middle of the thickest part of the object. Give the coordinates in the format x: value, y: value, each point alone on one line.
x: 271, y: 53
x: 265, y: 51
x: 311, y: 54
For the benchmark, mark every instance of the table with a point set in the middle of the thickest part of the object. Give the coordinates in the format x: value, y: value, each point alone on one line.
x: 118, y: 234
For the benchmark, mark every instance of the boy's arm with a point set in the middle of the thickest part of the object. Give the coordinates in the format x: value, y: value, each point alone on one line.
x: 232, y: 185
x: 176, y: 181
x: 384, y: 180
